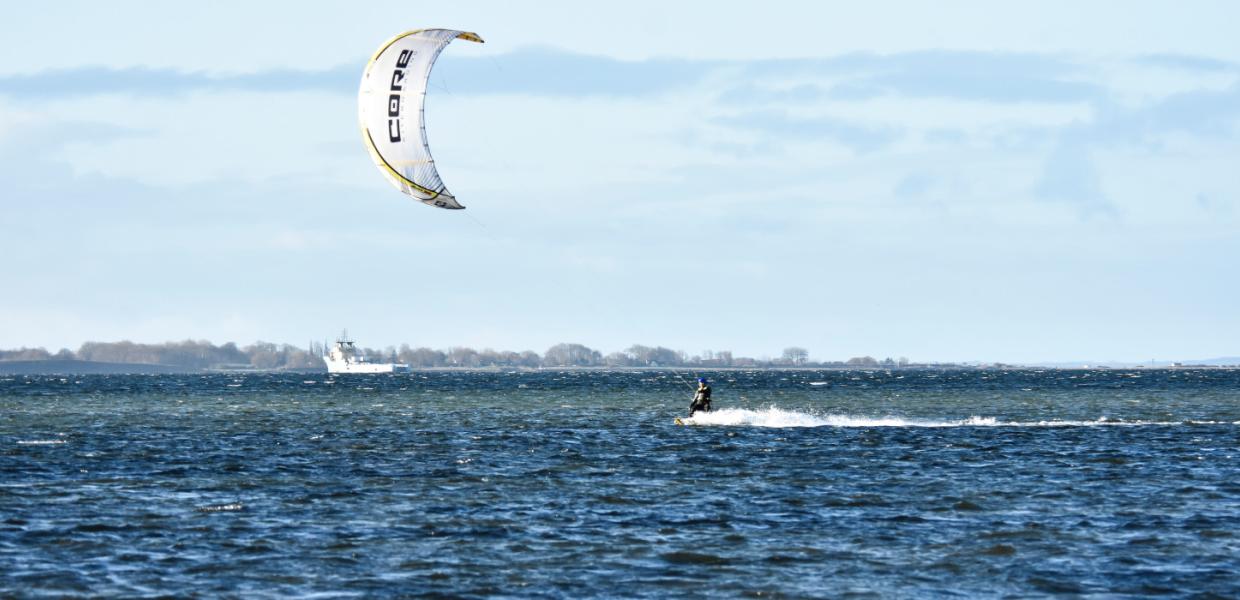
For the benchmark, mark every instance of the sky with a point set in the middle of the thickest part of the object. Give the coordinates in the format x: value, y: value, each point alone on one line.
x: 948, y: 181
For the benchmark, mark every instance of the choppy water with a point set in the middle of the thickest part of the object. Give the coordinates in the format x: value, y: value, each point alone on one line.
x: 577, y: 484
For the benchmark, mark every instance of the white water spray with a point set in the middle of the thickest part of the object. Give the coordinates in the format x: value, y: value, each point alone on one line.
x: 778, y: 417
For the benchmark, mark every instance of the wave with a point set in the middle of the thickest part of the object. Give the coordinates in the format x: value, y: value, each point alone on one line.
x: 778, y: 417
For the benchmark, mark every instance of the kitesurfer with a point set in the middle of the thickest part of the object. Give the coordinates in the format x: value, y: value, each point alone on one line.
x: 701, y: 398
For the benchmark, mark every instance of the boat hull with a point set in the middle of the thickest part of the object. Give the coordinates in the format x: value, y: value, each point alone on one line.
x: 352, y: 367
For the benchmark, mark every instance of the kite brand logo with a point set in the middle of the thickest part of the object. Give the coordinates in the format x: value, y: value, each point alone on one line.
x: 398, y: 84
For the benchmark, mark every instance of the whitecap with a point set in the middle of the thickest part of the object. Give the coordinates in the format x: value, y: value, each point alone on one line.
x: 231, y: 507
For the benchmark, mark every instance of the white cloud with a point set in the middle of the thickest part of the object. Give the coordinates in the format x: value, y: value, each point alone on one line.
x: 203, y: 137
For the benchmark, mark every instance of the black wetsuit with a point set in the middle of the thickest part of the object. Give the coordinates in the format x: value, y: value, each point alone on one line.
x: 701, y: 400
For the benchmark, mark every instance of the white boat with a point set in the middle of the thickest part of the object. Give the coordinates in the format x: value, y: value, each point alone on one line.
x: 344, y: 358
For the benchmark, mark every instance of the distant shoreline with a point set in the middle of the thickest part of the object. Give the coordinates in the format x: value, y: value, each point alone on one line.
x: 85, y: 367
x: 199, y: 356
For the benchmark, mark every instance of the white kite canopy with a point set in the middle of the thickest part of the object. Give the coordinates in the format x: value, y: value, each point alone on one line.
x: 391, y: 97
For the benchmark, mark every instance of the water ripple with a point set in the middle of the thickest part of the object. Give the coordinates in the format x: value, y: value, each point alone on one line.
x: 578, y: 484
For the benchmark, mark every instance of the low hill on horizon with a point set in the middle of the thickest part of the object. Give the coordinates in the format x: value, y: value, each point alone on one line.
x: 56, y: 366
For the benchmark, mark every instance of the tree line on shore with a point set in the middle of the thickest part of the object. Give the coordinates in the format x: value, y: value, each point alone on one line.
x: 201, y: 354
x: 189, y: 354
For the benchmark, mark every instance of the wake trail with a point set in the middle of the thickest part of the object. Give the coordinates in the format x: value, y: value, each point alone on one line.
x: 778, y: 417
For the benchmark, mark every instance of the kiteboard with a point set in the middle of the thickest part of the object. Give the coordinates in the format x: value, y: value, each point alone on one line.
x: 678, y: 421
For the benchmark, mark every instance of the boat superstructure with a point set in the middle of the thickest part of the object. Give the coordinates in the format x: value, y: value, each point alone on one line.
x: 344, y: 358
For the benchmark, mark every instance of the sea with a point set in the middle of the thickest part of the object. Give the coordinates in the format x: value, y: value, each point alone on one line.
x: 905, y: 483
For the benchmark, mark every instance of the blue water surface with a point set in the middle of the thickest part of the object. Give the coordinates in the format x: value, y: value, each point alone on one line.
x: 906, y: 483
